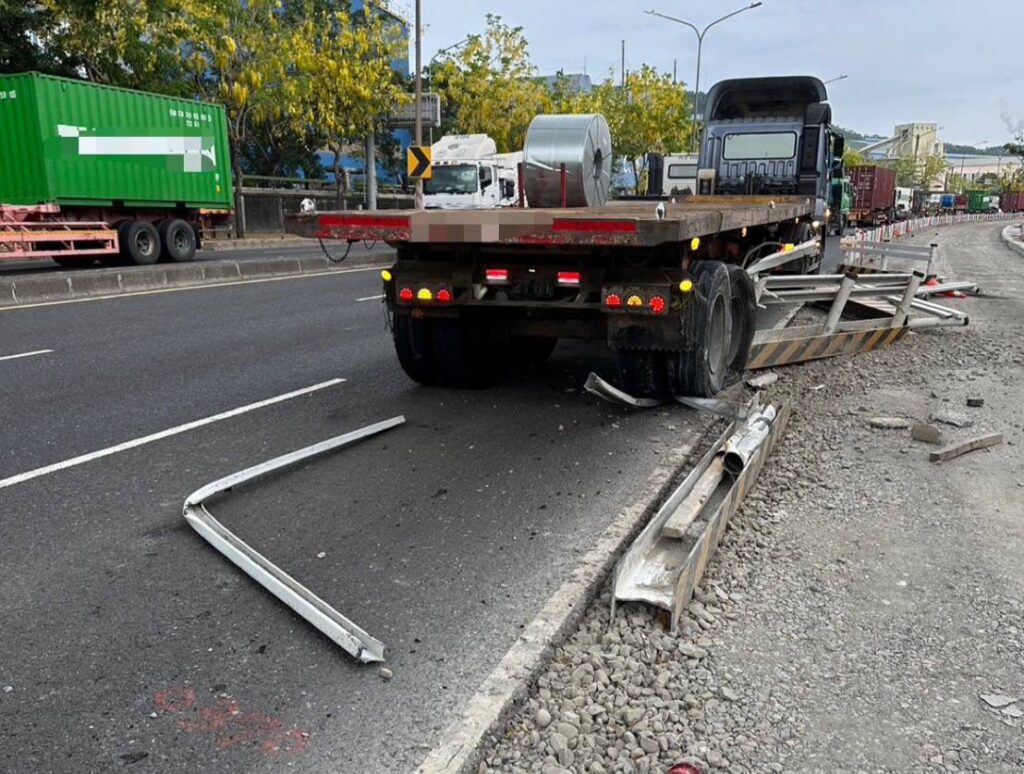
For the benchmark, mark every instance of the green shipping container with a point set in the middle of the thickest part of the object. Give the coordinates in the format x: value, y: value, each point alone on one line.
x: 73, y: 142
x: 977, y: 201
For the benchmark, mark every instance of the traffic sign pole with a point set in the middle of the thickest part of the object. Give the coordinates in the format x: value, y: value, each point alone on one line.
x: 419, y: 94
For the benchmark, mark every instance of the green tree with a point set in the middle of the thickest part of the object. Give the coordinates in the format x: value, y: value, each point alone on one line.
x: 131, y: 43
x: 490, y: 86
x: 347, y: 84
x: 649, y: 114
x: 919, y: 172
x: 854, y: 158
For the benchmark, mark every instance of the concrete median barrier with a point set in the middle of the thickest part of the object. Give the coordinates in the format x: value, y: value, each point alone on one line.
x: 26, y: 289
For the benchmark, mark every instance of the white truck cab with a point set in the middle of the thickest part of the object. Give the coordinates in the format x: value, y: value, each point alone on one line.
x: 468, y: 172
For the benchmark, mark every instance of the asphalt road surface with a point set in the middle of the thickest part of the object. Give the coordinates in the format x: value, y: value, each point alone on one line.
x: 127, y: 642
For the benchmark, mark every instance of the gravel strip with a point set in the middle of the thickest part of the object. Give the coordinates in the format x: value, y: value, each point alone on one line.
x: 864, y: 610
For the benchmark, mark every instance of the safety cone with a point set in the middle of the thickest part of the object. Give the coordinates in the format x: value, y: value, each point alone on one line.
x: 932, y: 281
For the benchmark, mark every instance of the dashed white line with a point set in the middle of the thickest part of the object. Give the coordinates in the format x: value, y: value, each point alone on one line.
x: 83, y: 458
x: 26, y: 354
x: 371, y: 298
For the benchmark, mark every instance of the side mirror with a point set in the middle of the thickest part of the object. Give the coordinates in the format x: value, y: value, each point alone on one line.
x: 838, y: 146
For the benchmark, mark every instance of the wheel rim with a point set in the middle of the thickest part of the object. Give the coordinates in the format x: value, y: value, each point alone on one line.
x: 144, y: 243
x: 180, y: 241
x: 718, y: 336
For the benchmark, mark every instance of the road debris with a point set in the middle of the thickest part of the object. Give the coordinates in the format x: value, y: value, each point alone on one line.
x: 975, y: 402
x: 926, y: 433
x: 956, y: 450
x: 998, y: 700
x: 953, y: 418
x: 761, y: 381
x: 315, y: 610
x: 385, y: 673
x: 889, y: 423
x: 663, y: 568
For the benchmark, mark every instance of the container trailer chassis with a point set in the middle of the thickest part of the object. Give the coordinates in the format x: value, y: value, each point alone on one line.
x: 477, y: 293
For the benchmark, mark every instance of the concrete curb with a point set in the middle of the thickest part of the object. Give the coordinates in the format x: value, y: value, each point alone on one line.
x: 1012, y: 242
x: 105, y: 283
x: 486, y: 713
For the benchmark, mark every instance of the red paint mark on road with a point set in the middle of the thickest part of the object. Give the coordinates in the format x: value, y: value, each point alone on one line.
x: 229, y: 725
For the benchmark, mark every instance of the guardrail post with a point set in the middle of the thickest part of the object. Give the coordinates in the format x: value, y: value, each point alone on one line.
x: 839, y: 303
x: 933, y: 256
x: 903, y: 310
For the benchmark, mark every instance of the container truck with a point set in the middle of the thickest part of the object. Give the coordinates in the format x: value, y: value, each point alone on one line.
x: 672, y: 174
x: 469, y: 172
x: 982, y: 201
x: 1012, y: 201
x: 874, y: 195
x: 475, y: 293
x: 904, y: 203
x: 91, y: 171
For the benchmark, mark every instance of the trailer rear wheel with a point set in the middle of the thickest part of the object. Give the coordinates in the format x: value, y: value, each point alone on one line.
x: 644, y: 373
x: 701, y: 371
x: 414, y: 345
x: 177, y: 239
x: 140, y: 242
x: 743, y: 308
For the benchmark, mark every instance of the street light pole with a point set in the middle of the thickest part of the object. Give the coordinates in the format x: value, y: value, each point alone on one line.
x: 700, y: 45
x: 837, y: 78
x: 419, y: 95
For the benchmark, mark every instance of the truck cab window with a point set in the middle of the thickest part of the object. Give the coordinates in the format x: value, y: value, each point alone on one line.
x: 756, y: 146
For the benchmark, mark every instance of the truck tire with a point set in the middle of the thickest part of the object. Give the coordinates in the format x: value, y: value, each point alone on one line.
x: 644, y: 373
x: 140, y: 242
x: 701, y: 371
x: 743, y: 307
x: 414, y: 345
x: 178, y: 240
x: 466, y: 353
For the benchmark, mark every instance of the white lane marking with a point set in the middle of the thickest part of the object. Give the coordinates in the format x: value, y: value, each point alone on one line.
x: 371, y: 298
x: 112, y: 297
x: 26, y: 354
x: 83, y: 458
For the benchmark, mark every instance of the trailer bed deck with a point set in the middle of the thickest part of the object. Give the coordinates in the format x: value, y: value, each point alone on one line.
x: 626, y: 224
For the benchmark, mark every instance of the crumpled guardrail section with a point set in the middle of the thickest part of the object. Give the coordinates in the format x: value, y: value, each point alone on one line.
x: 329, y: 621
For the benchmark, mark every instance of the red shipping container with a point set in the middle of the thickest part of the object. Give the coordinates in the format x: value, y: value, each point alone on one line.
x: 1012, y: 201
x: 874, y: 188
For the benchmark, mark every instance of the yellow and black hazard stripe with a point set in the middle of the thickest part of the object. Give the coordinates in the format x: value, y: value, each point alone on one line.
x: 777, y: 353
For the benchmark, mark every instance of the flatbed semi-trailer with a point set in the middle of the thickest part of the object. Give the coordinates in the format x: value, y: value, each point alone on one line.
x: 477, y: 292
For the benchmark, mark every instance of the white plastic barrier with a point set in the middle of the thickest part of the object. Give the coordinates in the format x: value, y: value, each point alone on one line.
x: 895, y: 231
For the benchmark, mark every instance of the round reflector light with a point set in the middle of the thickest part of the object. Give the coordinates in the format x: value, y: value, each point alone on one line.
x: 635, y: 300
x: 406, y: 294
x: 424, y: 294
x: 657, y: 304
x: 444, y: 295
x: 613, y: 300
x: 385, y: 275
x: 686, y: 285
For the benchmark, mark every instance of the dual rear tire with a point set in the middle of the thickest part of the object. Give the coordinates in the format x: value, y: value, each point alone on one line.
x: 144, y: 243
x: 720, y: 325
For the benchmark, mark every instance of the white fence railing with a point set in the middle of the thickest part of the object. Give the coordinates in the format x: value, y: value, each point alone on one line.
x: 906, y: 228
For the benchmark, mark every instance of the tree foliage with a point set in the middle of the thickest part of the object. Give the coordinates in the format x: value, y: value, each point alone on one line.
x: 490, y: 86
x: 648, y: 114
x: 921, y: 171
x: 854, y: 158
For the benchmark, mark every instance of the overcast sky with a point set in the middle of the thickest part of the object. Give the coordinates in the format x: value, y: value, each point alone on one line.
x: 958, y: 63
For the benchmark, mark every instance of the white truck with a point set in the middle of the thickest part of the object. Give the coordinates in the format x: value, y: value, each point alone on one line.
x: 468, y: 172
x: 672, y: 174
x: 904, y: 203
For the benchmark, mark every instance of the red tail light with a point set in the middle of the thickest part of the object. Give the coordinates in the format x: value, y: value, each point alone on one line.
x: 613, y: 301
x: 406, y: 294
x: 444, y: 296
x: 496, y: 275
x: 569, y: 278
x: 657, y: 304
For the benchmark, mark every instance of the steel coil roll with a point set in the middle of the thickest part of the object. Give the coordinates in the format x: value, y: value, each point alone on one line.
x: 581, y: 142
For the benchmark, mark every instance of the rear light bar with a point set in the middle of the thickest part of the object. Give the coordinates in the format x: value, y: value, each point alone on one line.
x: 496, y: 275
x: 425, y: 295
x: 636, y: 300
